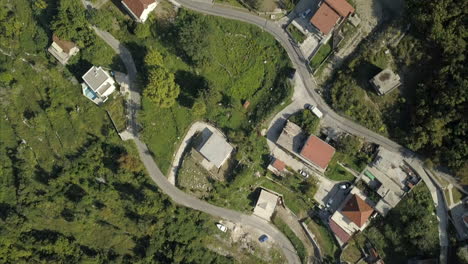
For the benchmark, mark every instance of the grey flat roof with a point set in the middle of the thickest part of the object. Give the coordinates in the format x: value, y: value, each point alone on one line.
x: 215, y: 149
x: 95, y: 77
x: 386, y: 81
x: 292, y: 137
x: 266, y: 204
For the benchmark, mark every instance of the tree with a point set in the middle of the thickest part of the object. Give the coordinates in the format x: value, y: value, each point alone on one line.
x: 199, y: 108
x: 6, y: 78
x: 142, y: 30
x: 349, y: 144
x: 161, y: 88
x: 153, y: 59
x: 192, y: 33
x: 306, y: 120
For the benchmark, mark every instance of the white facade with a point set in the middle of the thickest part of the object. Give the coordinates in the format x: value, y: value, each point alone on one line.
x: 98, y: 84
x: 147, y: 11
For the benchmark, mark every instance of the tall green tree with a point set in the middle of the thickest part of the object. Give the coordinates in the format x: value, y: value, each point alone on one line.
x: 161, y: 88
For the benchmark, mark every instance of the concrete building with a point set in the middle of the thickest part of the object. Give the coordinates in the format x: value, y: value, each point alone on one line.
x: 62, y: 50
x: 292, y: 137
x: 214, y: 149
x: 98, y: 84
x: 385, y: 81
x: 139, y: 9
x: 266, y: 205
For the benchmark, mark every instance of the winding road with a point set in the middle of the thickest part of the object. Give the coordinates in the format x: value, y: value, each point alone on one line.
x: 309, y: 95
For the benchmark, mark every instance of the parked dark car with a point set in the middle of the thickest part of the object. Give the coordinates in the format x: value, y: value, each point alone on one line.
x: 263, y: 238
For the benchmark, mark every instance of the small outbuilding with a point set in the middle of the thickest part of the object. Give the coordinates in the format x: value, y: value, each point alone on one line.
x: 62, y: 49
x: 266, y: 205
x: 277, y: 167
x: 385, y: 81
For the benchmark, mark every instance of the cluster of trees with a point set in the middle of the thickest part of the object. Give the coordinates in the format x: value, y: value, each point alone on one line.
x: 438, y: 123
x: 306, y: 120
x: 431, y: 117
x: 409, y: 230
x: 161, y: 88
x: 72, y: 192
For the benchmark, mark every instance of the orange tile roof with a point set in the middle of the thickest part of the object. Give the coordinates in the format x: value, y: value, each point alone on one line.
x: 339, y: 232
x: 137, y: 6
x: 357, y: 210
x: 324, y: 19
x: 279, y: 165
x: 342, y: 7
x: 317, y: 151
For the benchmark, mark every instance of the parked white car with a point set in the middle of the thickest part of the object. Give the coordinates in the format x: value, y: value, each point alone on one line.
x: 221, y: 227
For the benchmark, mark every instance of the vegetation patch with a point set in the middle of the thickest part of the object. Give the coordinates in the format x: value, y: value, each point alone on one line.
x: 116, y: 108
x: 296, y: 34
x: 320, y: 55
x: 326, y: 242
x: 336, y: 172
x: 308, y: 121
x: 297, y: 243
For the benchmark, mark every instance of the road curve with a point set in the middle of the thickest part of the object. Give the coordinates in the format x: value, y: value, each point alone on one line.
x: 178, y: 196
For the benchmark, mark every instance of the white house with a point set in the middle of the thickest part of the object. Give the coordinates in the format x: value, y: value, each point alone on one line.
x: 62, y: 50
x: 98, y: 84
x: 139, y: 9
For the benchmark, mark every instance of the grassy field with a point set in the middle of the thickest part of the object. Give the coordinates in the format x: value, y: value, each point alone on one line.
x: 352, y: 252
x: 320, y: 56
x: 235, y: 74
x: 329, y: 248
x: 296, y: 34
x: 116, y: 108
x: 297, y: 243
x: 337, y: 173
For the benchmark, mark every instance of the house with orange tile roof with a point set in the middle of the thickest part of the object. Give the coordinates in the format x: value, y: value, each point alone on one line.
x: 329, y: 14
x: 139, y: 9
x: 317, y: 152
x: 352, y: 216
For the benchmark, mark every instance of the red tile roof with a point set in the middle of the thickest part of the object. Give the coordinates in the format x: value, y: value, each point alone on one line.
x: 64, y: 44
x: 324, y: 19
x: 137, y: 6
x: 342, y: 7
x: 317, y: 151
x: 279, y: 165
x: 357, y: 210
x: 339, y: 232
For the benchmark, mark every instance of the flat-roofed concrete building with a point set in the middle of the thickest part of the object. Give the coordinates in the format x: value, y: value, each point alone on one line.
x: 292, y: 137
x: 62, y: 50
x: 98, y: 84
x: 385, y: 81
x: 214, y: 148
x: 266, y: 205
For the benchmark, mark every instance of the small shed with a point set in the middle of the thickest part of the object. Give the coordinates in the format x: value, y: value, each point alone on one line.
x: 266, y: 205
x: 385, y: 81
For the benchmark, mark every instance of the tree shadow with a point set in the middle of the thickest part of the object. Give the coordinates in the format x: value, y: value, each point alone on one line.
x: 75, y: 193
x: 364, y: 72
x: 253, y: 196
x: 44, y: 176
x: 191, y: 87
x: 127, y: 190
x: 79, y: 68
x: 138, y: 53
